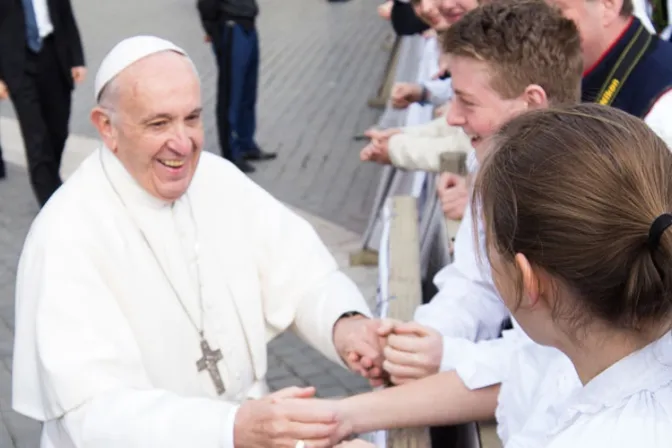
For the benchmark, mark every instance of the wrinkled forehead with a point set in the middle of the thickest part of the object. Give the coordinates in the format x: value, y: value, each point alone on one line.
x: 150, y: 69
x: 159, y: 71
x: 165, y: 62
x: 162, y: 84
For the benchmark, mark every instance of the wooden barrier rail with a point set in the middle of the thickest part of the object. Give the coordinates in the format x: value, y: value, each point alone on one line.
x: 453, y: 162
x: 389, y: 74
x: 405, y: 293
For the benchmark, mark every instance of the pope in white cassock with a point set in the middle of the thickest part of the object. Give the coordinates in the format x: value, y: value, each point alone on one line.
x: 151, y: 282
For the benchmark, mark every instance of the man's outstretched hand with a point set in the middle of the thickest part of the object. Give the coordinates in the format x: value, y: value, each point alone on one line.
x: 288, y: 416
x: 357, y: 342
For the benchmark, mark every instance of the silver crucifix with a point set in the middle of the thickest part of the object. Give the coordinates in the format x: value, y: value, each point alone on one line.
x: 209, y: 362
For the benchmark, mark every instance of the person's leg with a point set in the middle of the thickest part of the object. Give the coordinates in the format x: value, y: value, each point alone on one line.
x: 222, y: 50
x: 248, y: 118
x: 42, y: 167
x: 241, y: 47
x: 2, y: 165
x: 55, y: 100
x: 249, y: 99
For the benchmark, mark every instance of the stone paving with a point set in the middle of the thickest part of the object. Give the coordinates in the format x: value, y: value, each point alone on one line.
x: 321, y: 62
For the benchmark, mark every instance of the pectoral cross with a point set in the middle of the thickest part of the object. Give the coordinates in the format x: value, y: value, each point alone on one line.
x: 209, y: 362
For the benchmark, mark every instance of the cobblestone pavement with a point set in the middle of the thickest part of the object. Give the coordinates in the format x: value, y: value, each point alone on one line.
x: 321, y: 62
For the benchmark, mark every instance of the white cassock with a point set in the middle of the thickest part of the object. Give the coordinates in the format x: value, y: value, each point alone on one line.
x: 105, y: 352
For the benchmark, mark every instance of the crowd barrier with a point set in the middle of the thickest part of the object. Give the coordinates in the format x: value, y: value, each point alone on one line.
x: 416, y: 62
x: 407, y: 235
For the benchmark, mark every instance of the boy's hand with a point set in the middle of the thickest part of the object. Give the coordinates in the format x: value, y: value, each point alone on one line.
x: 453, y: 194
x: 376, y: 153
x: 4, y: 92
x: 441, y: 111
x: 381, y: 134
x: 385, y: 9
x: 404, y: 94
x: 413, y: 351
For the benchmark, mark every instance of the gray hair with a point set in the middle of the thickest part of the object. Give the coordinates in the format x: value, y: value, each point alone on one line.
x: 109, y: 98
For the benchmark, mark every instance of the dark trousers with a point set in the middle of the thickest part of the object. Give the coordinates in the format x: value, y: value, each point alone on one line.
x: 238, y: 60
x: 42, y: 100
x: 462, y: 436
x: 2, y: 164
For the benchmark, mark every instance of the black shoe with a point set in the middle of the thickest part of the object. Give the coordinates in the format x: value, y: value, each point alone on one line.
x: 244, y: 166
x: 3, y: 174
x: 259, y: 155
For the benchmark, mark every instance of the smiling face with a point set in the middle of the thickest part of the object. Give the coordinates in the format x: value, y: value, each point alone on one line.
x: 429, y: 12
x: 477, y: 107
x: 453, y: 10
x: 504, y: 59
x: 155, y: 126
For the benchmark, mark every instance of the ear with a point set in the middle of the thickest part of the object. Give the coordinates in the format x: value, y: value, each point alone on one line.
x: 531, y: 293
x: 535, y: 97
x: 102, y: 121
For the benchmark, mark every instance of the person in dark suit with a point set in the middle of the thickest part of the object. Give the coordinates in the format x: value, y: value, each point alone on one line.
x: 231, y: 27
x: 41, y: 59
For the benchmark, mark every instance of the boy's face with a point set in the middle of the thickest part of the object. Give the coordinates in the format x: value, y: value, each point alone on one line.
x: 453, y: 10
x: 476, y: 107
x: 428, y: 11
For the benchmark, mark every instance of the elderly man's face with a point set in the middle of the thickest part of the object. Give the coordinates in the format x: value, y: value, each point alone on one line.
x: 158, y: 133
x: 591, y: 18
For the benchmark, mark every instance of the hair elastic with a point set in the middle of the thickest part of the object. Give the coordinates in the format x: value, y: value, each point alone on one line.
x: 659, y: 225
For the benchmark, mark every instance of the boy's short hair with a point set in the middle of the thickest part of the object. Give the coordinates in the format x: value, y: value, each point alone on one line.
x: 525, y: 42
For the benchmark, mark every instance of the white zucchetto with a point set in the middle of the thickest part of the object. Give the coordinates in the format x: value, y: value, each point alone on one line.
x: 127, y: 52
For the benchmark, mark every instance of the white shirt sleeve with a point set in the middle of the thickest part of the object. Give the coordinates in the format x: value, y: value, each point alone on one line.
x: 467, y: 307
x: 302, y: 286
x: 435, y: 128
x: 420, y: 153
x: 440, y: 91
x: 138, y: 419
x: 659, y: 118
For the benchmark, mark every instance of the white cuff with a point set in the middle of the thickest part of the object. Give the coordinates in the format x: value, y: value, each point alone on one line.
x: 229, y: 427
x: 455, y: 351
x: 486, y: 364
